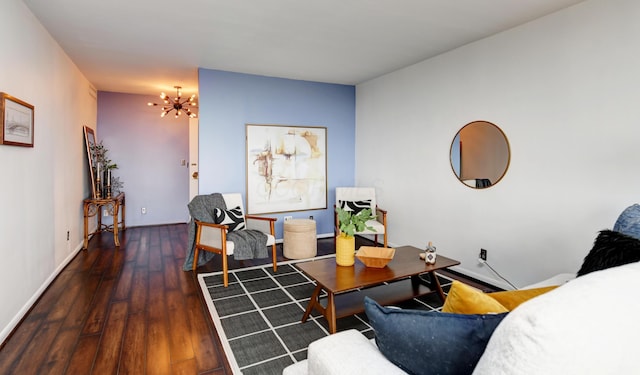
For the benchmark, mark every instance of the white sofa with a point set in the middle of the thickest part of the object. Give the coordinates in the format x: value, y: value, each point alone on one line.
x: 588, y: 325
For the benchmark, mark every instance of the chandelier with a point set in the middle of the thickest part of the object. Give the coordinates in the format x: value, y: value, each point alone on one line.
x: 176, y: 104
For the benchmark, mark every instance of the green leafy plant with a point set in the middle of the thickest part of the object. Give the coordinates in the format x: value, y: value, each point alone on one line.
x: 99, y: 153
x: 350, y: 223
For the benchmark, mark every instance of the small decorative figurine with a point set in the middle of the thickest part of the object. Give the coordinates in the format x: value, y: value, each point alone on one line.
x: 430, y: 254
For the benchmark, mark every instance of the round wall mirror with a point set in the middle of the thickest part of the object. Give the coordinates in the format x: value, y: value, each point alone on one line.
x: 480, y: 154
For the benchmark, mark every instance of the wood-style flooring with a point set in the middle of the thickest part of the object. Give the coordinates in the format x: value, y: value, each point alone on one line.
x: 130, y: 310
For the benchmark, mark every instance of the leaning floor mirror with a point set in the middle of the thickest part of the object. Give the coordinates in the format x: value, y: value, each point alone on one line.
x: 90, y: 142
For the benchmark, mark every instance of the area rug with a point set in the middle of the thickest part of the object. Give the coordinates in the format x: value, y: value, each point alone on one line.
x: 258, y: 316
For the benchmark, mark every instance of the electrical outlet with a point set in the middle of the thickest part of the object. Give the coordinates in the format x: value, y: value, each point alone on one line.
x: 310, y: 217
x: 105, y: 213
x: 483, y: 254
x: 67, y: 235
x: 287, y: 218
x: 144, y: 210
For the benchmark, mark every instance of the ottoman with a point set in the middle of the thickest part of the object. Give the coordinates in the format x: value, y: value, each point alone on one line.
x: 299, y: 239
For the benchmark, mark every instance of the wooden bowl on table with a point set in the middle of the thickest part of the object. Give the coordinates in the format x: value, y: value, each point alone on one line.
x: 375, y: 257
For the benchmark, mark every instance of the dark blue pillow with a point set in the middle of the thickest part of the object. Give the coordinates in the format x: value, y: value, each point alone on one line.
x: 431, y: 342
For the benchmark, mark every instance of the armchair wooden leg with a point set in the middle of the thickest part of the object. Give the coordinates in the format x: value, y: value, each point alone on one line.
x: 195, y: 259
x: 385, y: 239
x: 375, y: 240
x: 273, y: 256
x: 225, y: 276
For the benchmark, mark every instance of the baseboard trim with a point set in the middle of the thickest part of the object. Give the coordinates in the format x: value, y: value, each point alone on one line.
x: 7, y: 331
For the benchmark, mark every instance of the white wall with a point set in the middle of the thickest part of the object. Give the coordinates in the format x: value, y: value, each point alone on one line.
x: 565, y: 90
x: 42, y: 187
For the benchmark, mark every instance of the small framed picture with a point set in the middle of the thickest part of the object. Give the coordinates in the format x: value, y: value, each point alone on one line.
x: 17, y: 121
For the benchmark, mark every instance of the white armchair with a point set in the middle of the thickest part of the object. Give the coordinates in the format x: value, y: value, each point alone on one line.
x: 213, y: 237
x: 347, y: 197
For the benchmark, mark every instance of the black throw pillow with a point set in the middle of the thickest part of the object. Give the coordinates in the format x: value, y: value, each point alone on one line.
x: 610, y: 249
x: 356, y: 206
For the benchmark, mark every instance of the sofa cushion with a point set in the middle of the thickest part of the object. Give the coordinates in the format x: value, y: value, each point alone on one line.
x: 464, y: 299
x: 233, y: 218
x: 610, y: 249
x: 427, y: 342
x: 511, y: 299
x: 565, y: 331
x: 347, y: 352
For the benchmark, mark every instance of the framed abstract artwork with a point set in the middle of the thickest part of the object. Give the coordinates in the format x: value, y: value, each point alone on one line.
x: 286, y: 168
x: 17, y: 121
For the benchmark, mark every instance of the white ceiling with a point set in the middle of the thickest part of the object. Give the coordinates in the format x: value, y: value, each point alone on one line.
x: 146, y: 46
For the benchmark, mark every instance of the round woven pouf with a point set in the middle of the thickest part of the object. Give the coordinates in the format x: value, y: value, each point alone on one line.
x: 300, y: 239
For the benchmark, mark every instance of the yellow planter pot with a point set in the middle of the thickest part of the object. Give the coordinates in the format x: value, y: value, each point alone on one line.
x: 345, y: 250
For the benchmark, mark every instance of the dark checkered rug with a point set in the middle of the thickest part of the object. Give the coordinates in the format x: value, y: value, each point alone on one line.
x: 258, y: 316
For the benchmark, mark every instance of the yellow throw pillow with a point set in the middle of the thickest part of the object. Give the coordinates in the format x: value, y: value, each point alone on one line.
x: 463, y: 299
x: 512, y: 298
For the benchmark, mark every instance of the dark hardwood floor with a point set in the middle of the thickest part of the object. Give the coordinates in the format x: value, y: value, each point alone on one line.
x: 125, y: 311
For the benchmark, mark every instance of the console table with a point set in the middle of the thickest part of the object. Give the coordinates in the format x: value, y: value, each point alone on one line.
x: 115, y: 206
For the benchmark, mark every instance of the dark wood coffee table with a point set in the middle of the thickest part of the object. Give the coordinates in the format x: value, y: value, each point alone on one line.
x: 346, y: 287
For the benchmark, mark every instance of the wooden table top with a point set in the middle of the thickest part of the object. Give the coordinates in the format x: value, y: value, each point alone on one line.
x: 337, y: 279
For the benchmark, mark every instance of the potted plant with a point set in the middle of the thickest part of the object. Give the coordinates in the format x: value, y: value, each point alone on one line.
x: 104, y: 167
x: 349, y: 224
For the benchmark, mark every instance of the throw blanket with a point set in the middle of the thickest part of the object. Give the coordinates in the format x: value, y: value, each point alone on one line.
x: 248, y: 244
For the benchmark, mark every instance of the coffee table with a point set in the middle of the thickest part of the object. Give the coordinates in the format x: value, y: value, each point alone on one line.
x: 402, y: 279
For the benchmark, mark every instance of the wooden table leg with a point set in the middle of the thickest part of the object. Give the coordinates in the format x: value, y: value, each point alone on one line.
x: 99, y: 213
x: 436, y: 282
x: 116, y: 207
x: 433, y: 284
x: 312, y: 302
x: 85, y: 244
x: 124, y: 211
x: 331, y: 312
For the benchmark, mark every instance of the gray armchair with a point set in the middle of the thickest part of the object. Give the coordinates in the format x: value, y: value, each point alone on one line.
x: 246, y: 236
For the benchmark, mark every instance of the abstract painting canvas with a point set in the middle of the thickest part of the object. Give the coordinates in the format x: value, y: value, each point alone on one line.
x: 286, y: 168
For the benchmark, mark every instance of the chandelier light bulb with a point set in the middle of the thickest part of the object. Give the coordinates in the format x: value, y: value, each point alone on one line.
x: 176, y: 103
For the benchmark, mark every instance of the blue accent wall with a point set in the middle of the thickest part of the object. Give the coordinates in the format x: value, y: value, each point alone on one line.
x: 229, y: 100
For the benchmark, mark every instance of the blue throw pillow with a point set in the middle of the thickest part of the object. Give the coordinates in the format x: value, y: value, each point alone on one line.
x: 629, y: 221
x: 431, y: 342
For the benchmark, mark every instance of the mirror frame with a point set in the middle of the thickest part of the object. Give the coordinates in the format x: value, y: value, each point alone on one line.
x: 508, y: 147
x: 89, y: 140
